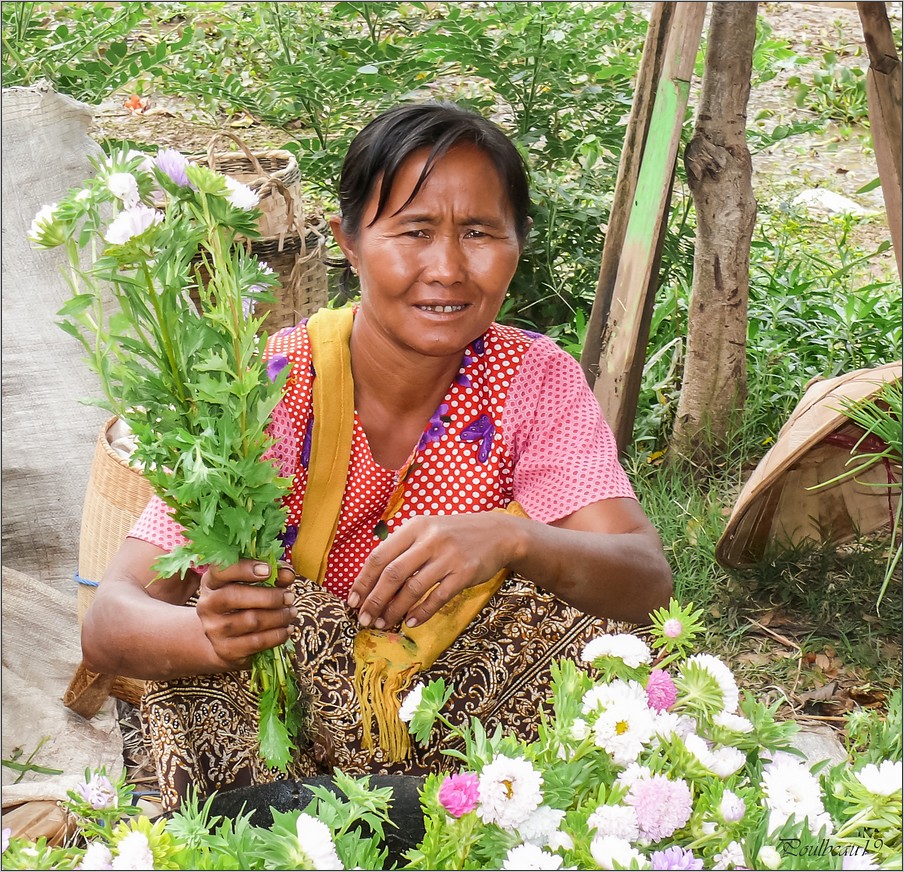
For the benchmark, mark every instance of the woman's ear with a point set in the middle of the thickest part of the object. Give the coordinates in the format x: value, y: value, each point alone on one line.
x: 345, y: 242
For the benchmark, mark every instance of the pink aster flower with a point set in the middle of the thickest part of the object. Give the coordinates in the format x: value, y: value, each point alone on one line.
x: 458, y: 794
x: 672, y: 628
x: 661, y: 691
x: 173, y: 163
x: 662, y: 806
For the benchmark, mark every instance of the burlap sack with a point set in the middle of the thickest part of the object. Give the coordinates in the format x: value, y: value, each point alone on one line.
x: 48, y: 436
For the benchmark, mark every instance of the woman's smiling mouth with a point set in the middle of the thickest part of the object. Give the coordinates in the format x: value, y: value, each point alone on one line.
x: 445, y: 310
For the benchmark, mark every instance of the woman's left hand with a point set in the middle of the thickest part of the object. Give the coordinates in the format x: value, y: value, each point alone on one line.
x: 436, y: 555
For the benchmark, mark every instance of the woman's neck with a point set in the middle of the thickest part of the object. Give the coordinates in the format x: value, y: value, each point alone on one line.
x: 402, y: 381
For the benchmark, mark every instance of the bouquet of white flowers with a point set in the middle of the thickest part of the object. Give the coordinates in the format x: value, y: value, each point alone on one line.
x: 189, y: 380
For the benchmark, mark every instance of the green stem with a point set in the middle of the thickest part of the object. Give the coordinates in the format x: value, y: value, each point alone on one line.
x: 165, y: 336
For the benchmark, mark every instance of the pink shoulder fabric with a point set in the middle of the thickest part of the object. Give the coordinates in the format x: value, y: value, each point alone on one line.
x: 564, y: 452
x: 156, y: 525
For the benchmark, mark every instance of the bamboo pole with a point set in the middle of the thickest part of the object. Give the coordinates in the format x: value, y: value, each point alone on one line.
x: 623, y: 348
x: 883, y: 88
x: 626, y: 182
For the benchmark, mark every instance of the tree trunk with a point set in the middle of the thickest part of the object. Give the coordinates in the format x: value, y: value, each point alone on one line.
x: 719, y: 174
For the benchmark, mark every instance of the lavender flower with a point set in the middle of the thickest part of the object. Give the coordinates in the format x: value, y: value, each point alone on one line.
x: 7, y: 832
x: 98, y: 792
x: 675, y: 858
x: 173, y: 164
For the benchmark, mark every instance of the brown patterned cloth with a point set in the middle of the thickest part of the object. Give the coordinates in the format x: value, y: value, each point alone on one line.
x: 202, y: 731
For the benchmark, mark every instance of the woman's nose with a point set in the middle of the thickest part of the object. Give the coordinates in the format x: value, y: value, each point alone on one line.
x: 445, y: 260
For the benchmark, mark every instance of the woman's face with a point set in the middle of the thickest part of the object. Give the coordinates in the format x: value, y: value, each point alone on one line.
x: 434, y: 273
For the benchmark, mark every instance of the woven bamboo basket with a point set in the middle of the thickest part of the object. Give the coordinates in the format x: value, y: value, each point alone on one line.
x: 116, y: 495
x: 292, y: 245
x: 788, y: 499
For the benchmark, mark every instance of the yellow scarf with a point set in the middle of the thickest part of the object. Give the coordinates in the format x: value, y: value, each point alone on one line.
x: 385, y: 662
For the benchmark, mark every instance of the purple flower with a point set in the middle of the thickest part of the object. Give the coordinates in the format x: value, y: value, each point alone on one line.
x: 98, y: 792
x: 7, y: 832
x: 289, y: 535
x: 436, y: 429
x: 306, y: 444
x: 675, y: 858
x: 661, y: 690
x: 481, y: 429
x: 173, y: 164
x: 276, y: 365
x: 478, y: 346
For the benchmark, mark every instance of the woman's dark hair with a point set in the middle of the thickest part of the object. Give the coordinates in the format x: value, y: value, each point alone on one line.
x: 378, y: 151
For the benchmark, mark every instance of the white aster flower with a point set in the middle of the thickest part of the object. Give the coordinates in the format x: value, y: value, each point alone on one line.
x: 623, y: 730
x: 84, y: 194
x: 732, y: 807
x: 42, y: 226
x: 726, y: 761
x: 125, y: 187
x: 631, y: 774
x: 133, y: 852
x: 731, y: 858
x: 881, y: 780
x: 509, y: 792
x: 603, y: 696
x: 411, y: 702
x: 131, y: 223
x: 791, y: 791
x: 708, y: 827
x: 736, y: 723
x: 97, y: 856
x: 723, y: 677
x: 241, y: 196
x: 630, y: 649
x: 316, y: 843
x: 580, y: 729
x: 668, y: 724
x: 615, y: 820
x: 609, y: 851
x: 560, y: 841
x: 530, y: 857
x: 540, y: 826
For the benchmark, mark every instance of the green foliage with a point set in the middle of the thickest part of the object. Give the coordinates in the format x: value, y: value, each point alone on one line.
x: 837, y: 91
x: 86, y: 51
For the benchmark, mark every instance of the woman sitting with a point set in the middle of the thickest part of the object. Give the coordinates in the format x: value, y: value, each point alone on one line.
x: 454, y: 416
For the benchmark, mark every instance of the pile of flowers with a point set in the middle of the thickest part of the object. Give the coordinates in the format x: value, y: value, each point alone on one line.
x: 648, y: 757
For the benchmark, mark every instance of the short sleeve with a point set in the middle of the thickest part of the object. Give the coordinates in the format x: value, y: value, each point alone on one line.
x: 156, y: 525
x: 564, y: 453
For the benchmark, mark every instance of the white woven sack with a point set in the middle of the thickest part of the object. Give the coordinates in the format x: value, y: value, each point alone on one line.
x: 48, y: 436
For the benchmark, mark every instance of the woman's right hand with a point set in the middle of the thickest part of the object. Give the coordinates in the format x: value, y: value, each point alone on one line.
x: 240, y: 616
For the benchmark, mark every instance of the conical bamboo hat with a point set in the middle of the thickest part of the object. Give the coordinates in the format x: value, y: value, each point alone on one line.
x: 777, y: 505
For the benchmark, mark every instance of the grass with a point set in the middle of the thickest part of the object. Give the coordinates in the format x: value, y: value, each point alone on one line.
x: 802, y: 625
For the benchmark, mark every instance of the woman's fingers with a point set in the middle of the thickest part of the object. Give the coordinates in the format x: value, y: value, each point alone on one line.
x: 240, y: 614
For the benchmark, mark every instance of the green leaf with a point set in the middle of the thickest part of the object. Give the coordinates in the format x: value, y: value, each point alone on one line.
x: 869, y: 186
